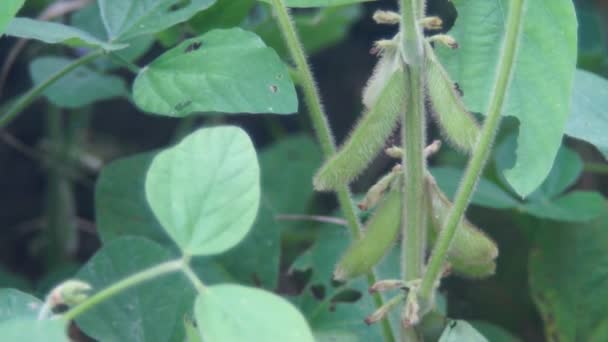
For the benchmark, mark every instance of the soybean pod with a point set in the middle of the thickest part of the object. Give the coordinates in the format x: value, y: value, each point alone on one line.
x: 472, y: 253
x: 457, y: 124
x: 381, y: 233
x: 368, y: 137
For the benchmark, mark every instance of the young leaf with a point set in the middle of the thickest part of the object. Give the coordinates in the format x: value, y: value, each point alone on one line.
x: 568, y: 280
x: 17, y: 304
x: 380, y: 235
x: 54, y: 33
x: 318, y: 3
x: 472, y: 253
x: 588, y: 119
x: 458, y: 125
x: 8, y: 9
x: 540, y: 92
x: 576, y: 206
x: 458, y: 330
x: 229, y: 71
x: 367, y: 138
x: 80, y: 87
x: 128, y: 19
x: 23, y: 329
x: 149, y: 312
x: 205, y: 190
x: 238, y: 313
x: 223, y: 14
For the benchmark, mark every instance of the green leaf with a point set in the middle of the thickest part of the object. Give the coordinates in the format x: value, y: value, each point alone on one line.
x: 576, y: 206
x: 54, y: 33
x: 33, y: 330
x: 565, y: 171
x: 17, y: 304
x: 569, y: 280
x: 80, y: 87
x: 223, y: 14
x: 588, y: 119
x: 121, y: 206
x: 229, y: 71
x: 8, y: 9
x: 318, y: 3
x: 487, y: 194
x: 540, y: 92
x: 317, y: 30
x: 128, y: 19
x: 287, y: 168
x: 238, y: 313
x: 205, y: 190
x: 458, y: 330
x: 89, y: 19
x: 148, y: 312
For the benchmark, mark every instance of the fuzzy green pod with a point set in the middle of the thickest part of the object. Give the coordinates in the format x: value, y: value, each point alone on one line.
x: 368, y: 137
x: 457, y: 124
x: 472, y: 253
x: 380, y: 235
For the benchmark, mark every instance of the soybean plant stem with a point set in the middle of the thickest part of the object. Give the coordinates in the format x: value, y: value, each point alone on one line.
x: 482, y: 149
x: 116, y: 288
x: 321, y: 126
x: 33, y: 94
x: 413, y: 140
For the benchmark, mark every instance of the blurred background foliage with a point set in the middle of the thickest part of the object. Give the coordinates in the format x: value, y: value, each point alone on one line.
x: 552, y: 273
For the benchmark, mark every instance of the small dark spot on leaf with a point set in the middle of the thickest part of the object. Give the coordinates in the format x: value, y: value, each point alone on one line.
x: 182, y: 105
x: 453, y: 324
x: 273, y: 88
x: 458, y: 89
x: 279, y: 76
x: 193, y: 47
x: 179, y: 5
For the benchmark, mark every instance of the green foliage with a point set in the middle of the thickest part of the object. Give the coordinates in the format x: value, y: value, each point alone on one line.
x: 127, y: 19
x: 22, y: 329
x: 156, y: 305
x: 539, y: 95
x: 461, y: 331
x: 238, y: 313
x: 54, y: 33
x: 588, y: 119
x: 317, y: 3
x: 15, y: 303
x: 90, y: 85
x: 222, y: 14
x: 196, y: 187
x: 8, y: 9
x: 229, y: 71
x: 568, y: 282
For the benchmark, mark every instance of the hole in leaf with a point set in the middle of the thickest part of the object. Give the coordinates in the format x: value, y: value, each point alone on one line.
x: 193, y: 47
x: 273, y: 88
x: 458, y: 89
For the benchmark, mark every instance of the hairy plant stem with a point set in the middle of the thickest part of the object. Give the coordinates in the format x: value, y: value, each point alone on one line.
x: 321, y: 126
x: 33, y: 94
x: 413, y: 137
x: 481, y: 151
x: 124, y: 284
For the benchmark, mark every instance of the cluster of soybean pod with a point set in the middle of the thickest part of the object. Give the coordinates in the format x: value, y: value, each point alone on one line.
x: 472, y: 253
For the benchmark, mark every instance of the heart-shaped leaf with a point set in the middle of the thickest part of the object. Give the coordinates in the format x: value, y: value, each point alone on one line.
x: 128, y: 19
x: 205, y: 190
x: 54, y: 33
x: 80, y: 87
x: 229, y: 71
x: 237, y: 313
x: 543, y: 74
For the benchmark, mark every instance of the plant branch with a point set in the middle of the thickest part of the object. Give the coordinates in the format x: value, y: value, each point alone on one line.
x: 33, y: 94
x: 321, y: 126
x: 124, y: 284
x: 413, y: 137
x: 482, y: 149
x: 194, y: 279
